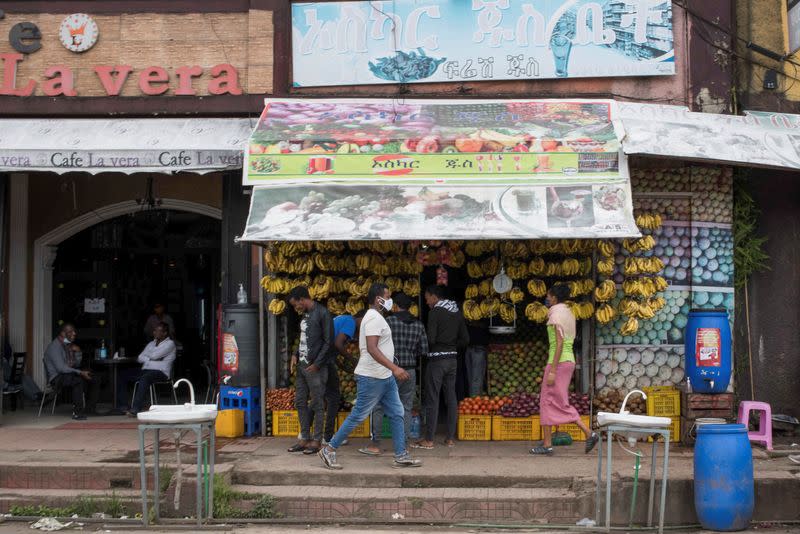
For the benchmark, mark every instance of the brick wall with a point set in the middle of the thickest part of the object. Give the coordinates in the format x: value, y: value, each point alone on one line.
x: 244, y: 40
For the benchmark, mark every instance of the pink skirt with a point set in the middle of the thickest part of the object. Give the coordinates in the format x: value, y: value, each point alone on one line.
x: 554, y: 403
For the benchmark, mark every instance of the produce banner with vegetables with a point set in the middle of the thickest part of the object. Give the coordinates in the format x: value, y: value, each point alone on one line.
x: 369, y: 212
x: 407, y: 41
x: 383, y: 141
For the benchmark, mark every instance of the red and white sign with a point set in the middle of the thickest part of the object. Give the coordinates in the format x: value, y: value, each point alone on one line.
x: 230, y: 353
x: 708, y: 347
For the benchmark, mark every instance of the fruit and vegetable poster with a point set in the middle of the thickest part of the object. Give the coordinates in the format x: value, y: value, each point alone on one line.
x: 412, y: 41
x: 429, y: 142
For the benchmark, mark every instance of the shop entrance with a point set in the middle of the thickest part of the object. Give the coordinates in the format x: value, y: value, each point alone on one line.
x: 107, y: 278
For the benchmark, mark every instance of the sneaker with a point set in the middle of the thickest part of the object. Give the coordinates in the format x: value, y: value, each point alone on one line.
x: 346, y: 442
x: 78, y: 416
x: 329, y: 458
x: 406, y: 461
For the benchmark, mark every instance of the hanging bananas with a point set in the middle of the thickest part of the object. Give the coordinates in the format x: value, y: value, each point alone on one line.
x: 474, y: 270
x: 635, y: 266
x: 642, y: 244
x: 536, y: 312
x: 648, y: 221
x: 606, y: 267
x: 471, y: 291
x: 537, y: 288
x: 472, y: 310
x: 485, y: 288
x: 507, y: 313
x: 516, y: 295
x: 606, y: 248
x: 414, y: 310
x: 354, y: 305
x: 605, y: 313
x: 277, y: 306
x: 605, y: 291
x: 630, y: 327
x: 537, y: 267
x: 490, y: 307
x: 628, y: 306
x: 517, y: 270
x: 578, y: 288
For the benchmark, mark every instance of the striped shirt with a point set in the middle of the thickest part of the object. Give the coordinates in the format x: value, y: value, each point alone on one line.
x: 410, y: 340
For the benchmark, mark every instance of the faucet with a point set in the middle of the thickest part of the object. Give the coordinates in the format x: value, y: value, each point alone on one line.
x: 631, y: 392
x: 191, y: 388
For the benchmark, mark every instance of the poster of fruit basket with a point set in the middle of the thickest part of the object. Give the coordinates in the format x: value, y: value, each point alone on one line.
x: 302, y: 141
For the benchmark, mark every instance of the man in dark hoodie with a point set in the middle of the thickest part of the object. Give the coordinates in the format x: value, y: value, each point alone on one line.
x: 410, y: 344
x: 447, y: 334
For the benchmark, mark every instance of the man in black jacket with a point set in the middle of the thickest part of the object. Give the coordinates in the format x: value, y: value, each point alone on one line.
x: 316, y: 342
x: 447, y: 334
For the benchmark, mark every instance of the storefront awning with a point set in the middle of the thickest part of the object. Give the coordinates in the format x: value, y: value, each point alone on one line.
x: 122, y: 145
x: 758, y: 138
x: 349, y: 170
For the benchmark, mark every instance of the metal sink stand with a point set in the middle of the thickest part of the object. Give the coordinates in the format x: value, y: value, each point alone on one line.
x: 656, y: 433
x: 204, y: 466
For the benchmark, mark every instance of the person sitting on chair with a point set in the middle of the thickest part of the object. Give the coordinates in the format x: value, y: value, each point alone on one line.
x: 156, y: 359
x: 63, y: 371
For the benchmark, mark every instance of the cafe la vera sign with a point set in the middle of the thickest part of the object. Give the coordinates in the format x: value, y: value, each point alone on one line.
x: 59, y: 80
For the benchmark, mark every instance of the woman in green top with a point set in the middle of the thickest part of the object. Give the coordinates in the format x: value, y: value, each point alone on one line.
x: 554, y: 403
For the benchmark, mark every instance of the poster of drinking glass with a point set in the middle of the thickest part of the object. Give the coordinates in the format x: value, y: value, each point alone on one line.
x: 417, y: 41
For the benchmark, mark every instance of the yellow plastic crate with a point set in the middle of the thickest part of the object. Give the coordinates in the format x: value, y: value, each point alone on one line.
x: 229, y: 424
x: 574, y: 430
x: 475, y: 427
x: 285, y: 423
x: 663, y: 401
x: 515, y: 428
x: 674, y: 430
x: 361, y: 431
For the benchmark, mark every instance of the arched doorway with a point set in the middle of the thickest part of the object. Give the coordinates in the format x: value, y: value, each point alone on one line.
x: 169, y: 254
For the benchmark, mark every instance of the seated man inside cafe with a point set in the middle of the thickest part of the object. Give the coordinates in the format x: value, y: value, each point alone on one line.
x: 62, y: 365
x: 156, y: 359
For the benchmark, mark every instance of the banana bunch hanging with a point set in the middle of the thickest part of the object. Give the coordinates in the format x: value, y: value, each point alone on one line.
x: 606, y: 267
x: 537, y: 288
x: 656, y: 303
x: 485, y: 288
x: 516, y: 295
x: 605, y: 313
x: 278, y: 286
x: 334, y: 247
x: 277, y: 306
x: 472, y: 310
x: 321, y: 288
x: 490, y: 307
x: 644, y: 286
x: 507, y: 313
x: 537, y: 267
x: 514, y: 249
x: 605, y: 291
x: 571, y: 267
x: 354, y: 305
x: 517, y: 270
x: 490, y: 266
x: 474, y: 270
x: 476, y: 249
x: 471, y: 291
x: 394, y: 284
x: 536, y: 312
x: 336, y: 307
x: 628, y: 306
x: 276, y: 262
x: 580, y: 287
x: 606, y: 248
x: 635, y: 266
x: 581, y: 310
x: 359, y: 287
x: 630, y: 327
x: 642, y: 244
x: 295, y: 248
x: 331, y: 264
x: 414, y: 310
x: 648, y: 221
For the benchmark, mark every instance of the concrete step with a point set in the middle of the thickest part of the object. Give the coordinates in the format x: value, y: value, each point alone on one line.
x: 547, y: 505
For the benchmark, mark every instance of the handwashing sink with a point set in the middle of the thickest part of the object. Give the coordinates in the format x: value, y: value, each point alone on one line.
x: 629, y: 419
x: 172, y: 413
x: 177, y: 413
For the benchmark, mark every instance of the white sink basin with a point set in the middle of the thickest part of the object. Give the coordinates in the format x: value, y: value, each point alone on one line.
x: 176, y: 413
x: 629, y: 419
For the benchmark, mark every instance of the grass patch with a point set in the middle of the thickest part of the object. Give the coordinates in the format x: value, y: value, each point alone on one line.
x: 83, y: 507
x: 264, y: 506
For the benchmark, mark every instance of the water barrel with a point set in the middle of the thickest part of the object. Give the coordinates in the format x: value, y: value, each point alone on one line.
x: 239, y: 358
x: 708, y: 350
x: 723, y: 477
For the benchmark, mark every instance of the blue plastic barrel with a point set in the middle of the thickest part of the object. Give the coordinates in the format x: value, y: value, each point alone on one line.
x: 708, y: 350
x: 723, y: 477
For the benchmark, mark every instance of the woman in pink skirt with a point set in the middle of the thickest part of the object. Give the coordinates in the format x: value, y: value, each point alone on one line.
x: 554, y: 401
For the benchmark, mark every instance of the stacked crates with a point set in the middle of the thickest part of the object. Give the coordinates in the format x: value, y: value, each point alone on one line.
x: 246, y: 399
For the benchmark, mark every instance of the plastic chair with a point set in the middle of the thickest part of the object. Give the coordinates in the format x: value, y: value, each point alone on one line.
x: 154, y: 391
x: 764, y: 433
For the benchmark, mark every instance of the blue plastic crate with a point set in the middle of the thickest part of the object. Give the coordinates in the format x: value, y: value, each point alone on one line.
x: 245, y: 399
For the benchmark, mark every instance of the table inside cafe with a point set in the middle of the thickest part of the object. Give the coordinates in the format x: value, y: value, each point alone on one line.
x: 111, y: 366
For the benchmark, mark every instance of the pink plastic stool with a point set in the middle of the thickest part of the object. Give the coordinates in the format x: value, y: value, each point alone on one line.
x: 764, y: 432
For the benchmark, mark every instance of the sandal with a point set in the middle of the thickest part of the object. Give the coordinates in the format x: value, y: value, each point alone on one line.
x: 419, y: 445
x: 591, y: 442
x: 297, y: 447
x: 542, y: 451
x: 369, y: 452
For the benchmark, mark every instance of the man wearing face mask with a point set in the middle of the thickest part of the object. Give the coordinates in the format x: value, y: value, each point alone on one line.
x: 63, y: 371
x: 310, y: 363
x: 376, y: 375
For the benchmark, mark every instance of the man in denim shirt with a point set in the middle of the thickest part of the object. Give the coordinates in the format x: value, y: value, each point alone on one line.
x: 316, y: 342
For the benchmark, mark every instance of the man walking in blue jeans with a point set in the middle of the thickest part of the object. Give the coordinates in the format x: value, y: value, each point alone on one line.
x: 376, y: 380
x: 410, y: 344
